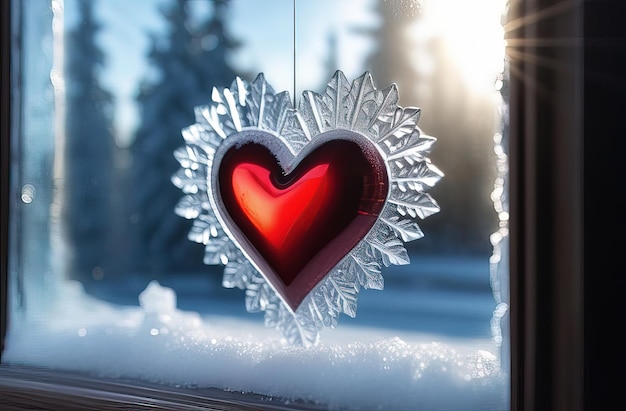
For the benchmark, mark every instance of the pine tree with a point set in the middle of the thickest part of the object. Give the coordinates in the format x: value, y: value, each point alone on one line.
x: 388, y: 62
x: 331, y: 63
x: 191, y: 63
x: 462, y: 124
x: 88, y: 150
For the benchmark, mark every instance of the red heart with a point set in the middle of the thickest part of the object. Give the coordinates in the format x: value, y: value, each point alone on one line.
x: 297, y: 226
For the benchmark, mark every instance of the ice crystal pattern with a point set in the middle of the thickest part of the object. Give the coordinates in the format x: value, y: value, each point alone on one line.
x: 357, y: 106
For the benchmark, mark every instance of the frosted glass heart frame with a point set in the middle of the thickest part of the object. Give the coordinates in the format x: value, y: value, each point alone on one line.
x: 357, y: 107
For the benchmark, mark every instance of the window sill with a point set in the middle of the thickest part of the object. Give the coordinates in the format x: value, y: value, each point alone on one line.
x: 34, y: 388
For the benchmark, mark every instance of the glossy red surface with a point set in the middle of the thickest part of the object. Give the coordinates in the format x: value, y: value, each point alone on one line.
x: 282, y: 215
x: 300, y: 225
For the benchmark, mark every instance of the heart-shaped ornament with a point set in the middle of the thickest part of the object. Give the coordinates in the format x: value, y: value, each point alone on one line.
x: 297, y: 218
x: 305, y: 206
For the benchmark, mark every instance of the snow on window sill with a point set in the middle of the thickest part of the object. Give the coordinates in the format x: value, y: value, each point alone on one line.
x: 160, y: 344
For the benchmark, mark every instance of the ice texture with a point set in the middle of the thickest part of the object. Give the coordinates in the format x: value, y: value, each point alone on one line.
x: 351, y: 368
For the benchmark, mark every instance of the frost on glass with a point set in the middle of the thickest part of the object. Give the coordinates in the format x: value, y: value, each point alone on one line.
x: 357, y: 106
x: 499, y: 261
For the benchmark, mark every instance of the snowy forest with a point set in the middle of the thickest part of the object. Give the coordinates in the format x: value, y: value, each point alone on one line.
x: 119, y: 201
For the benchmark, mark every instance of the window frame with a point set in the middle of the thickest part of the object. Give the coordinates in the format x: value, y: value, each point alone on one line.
x: 567, y: 100
x: 561, y: 161
x: 546, y: 200
x: 5, y: 113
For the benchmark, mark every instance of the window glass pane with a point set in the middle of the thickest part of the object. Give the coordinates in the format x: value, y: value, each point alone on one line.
x: 103, y: 277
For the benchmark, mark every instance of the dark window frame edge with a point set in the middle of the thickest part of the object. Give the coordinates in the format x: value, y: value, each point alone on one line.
x: 546, y: 195
x: 5, y: 116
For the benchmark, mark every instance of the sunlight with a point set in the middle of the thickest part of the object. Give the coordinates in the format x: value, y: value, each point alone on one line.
x: 472, y: 34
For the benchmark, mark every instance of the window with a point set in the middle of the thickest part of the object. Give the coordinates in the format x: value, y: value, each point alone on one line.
x: 534, y: 266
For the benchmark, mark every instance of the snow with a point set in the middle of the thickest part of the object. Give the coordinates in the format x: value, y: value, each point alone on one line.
x: 351, y: 368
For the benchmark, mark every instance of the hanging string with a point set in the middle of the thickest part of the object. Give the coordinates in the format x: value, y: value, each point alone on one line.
x: 294, y: 53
